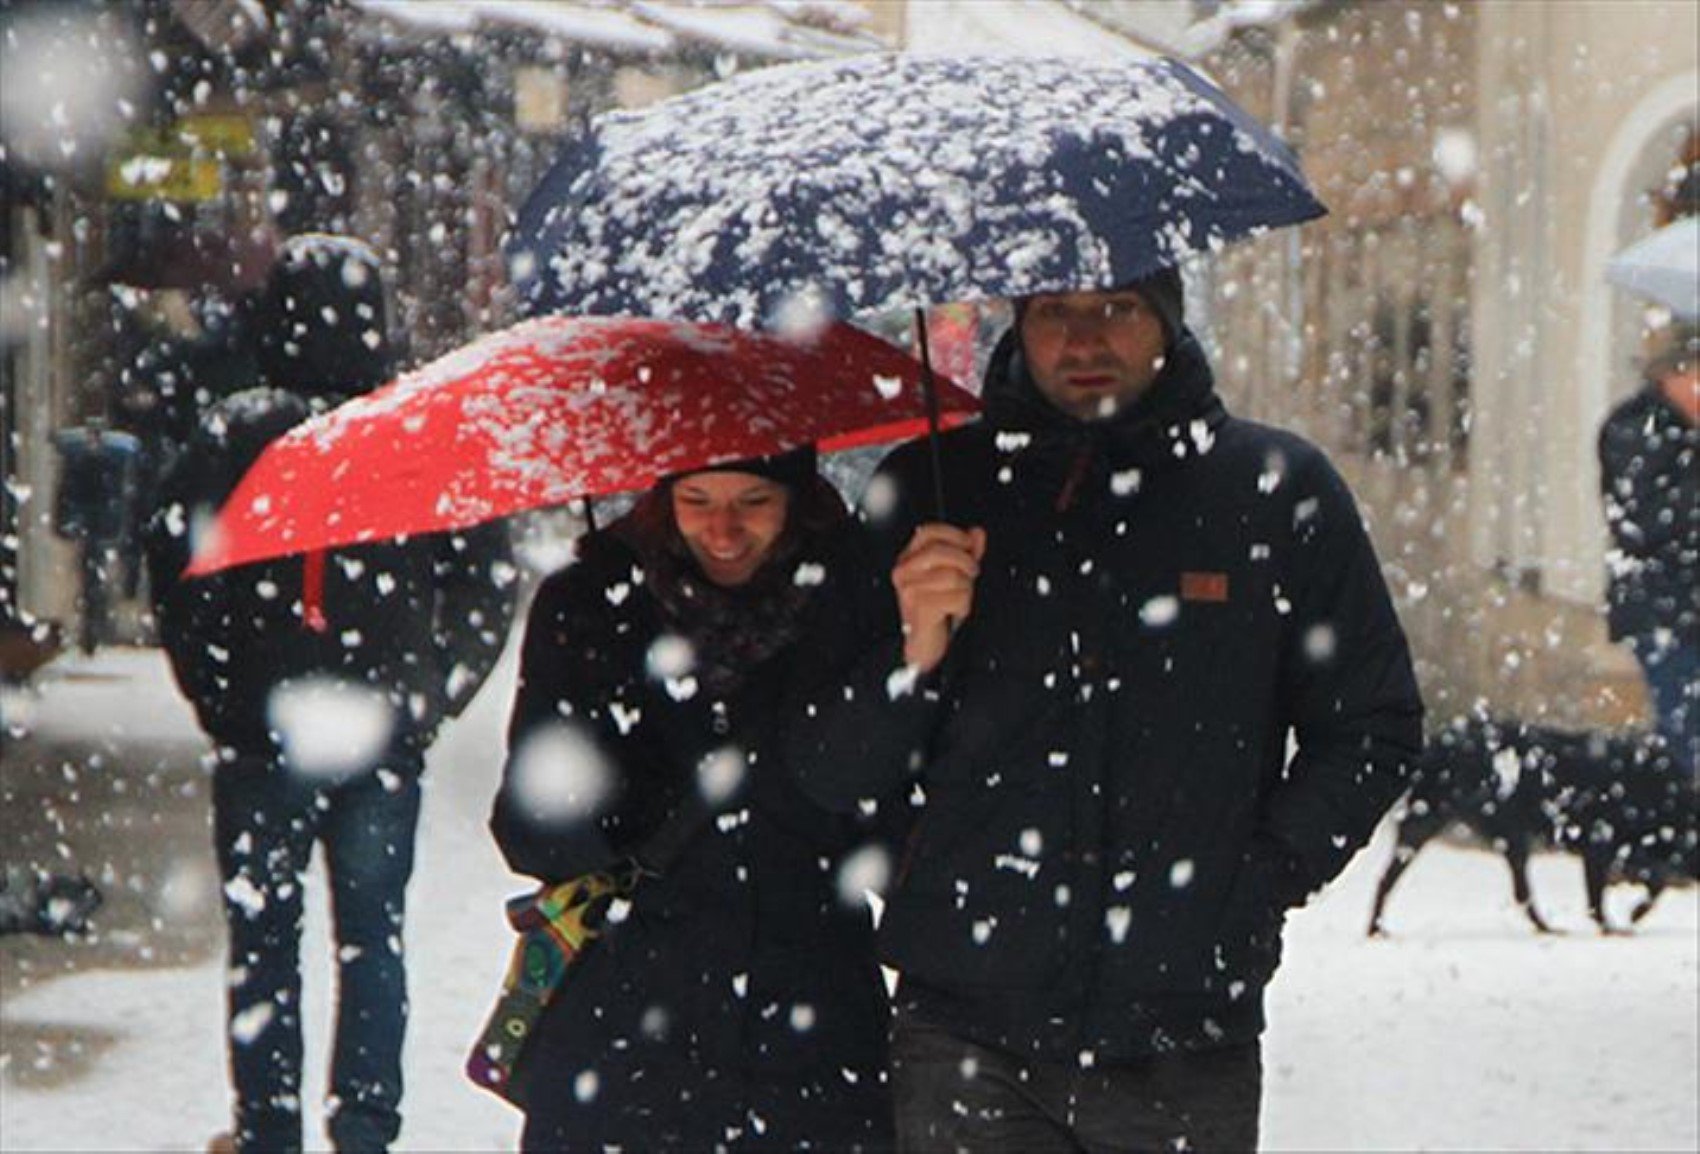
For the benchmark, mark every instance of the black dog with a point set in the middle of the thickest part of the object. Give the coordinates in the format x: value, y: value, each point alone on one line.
x: 1621, y: 802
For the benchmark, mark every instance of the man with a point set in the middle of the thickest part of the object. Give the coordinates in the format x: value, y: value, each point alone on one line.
x: 95, y: 508
x: 321, y: 681
x: 1094, y: 684
x: 1650, y: 479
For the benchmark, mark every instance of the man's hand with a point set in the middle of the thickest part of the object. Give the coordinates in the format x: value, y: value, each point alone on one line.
x: 934, y: 579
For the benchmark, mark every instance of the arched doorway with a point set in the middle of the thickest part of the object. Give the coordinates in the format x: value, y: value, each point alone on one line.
x: 1639, y: 186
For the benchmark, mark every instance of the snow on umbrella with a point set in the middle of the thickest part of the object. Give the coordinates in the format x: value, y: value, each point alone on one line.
x: 554, y: 409
x: 1663, y: 267
x: 889, y: 181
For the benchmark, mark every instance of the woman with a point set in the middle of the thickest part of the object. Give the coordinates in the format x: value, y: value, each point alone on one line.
x: 735, y: 1002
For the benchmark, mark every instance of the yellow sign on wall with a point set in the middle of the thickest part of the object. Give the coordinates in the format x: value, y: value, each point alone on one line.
x: 183, y: 162
x: 223, y: 135
x: 142, y: 176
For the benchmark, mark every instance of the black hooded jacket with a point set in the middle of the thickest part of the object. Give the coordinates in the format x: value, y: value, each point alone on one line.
x: 420, y: 622
x: 1113, y: 827
x: 742, y: 984
x: 1650, y: 479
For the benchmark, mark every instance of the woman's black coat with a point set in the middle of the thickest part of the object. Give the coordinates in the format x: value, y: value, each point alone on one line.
x: 738, y: 1001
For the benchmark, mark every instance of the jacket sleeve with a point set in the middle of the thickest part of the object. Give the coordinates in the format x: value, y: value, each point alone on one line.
x: 588, y: 777
x: 858, y: 723
x: 1347, y: 688
x: 189, y: 614
x: 551, y: 699
x: 476, y: 582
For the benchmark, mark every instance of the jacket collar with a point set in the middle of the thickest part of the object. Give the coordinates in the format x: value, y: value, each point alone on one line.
x: 1662, y: 405
x: 1176, y: 419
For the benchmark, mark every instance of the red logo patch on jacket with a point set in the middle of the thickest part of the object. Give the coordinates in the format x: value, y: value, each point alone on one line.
x: 1204, y: 586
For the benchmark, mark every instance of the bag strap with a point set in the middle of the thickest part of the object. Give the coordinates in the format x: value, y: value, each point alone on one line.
x: 656, y: 855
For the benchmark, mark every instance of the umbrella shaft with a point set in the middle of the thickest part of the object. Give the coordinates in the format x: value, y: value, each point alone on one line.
x: 929, y: 389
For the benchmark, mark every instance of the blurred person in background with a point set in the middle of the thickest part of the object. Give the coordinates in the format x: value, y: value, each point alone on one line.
x: 1649, y: 448
x: 94, y: 508
x: 321, y: 681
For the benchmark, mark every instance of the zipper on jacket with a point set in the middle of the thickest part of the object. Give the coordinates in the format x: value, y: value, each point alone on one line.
x: 1077, y: 470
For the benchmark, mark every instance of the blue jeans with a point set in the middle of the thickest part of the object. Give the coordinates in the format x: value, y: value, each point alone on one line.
x: 1672, y: 670
x: 266, y: 822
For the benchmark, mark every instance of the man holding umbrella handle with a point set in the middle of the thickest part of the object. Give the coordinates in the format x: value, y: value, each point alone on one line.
x: 1090, y: 354
x: 1093, y: 682
x: 934, y: 580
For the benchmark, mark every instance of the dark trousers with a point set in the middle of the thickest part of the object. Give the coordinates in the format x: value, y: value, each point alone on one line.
x: 266, y: 822
x: 953, y: 1095
x: 96, y: 560
x: 1672, y: 669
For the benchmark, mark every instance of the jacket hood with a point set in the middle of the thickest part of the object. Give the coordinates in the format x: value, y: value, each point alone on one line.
x: 322, y: 319
x: 234, y: 432
x: 1172, y: 420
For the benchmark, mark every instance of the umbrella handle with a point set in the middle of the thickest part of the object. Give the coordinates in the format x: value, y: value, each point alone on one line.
x: 929, y: 389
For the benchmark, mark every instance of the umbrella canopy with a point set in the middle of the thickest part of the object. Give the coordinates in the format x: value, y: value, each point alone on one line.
x: 890, y: 181
x: 1664, y: 268
x: 554, y: 409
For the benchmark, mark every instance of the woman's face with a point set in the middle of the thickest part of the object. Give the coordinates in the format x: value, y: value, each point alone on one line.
x: 730, y: 522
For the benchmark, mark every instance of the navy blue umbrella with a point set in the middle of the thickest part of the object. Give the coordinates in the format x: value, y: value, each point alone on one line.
x: 791, y: 195
x: 872, y: 183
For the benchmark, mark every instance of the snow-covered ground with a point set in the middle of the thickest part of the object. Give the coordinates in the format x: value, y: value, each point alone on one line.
x: 1462, y: 1031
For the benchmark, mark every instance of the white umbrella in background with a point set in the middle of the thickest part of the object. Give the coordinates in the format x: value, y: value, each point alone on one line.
x: 1664, y: 267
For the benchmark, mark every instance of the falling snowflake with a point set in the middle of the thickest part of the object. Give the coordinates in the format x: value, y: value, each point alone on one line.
x: 864, y: 871
x: 330, y: 728
x: 558, y: 774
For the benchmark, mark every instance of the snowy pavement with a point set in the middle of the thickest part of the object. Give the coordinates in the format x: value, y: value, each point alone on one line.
x: 1463, y: 1030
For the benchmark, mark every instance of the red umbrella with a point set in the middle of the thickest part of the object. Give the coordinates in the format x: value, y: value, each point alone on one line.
x: 555, y: 409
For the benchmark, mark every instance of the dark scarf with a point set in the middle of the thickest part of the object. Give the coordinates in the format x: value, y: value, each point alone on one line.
x: 732, y: 631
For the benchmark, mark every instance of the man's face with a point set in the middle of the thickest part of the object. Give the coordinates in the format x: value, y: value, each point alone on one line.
x: 1682, y: 388
x: 1092, y: 354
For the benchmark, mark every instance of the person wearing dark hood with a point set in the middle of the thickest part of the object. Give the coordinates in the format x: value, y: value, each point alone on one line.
x: 321, y: 681
x: 1649, y: 448
x: 735, y: 1004
x: 1151, y: 686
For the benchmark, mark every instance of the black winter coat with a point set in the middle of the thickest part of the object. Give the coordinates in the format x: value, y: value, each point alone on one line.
x: 1113, y: 828
x: 739, y: 1001
x: 1650, y: 479
x: 420, y: 622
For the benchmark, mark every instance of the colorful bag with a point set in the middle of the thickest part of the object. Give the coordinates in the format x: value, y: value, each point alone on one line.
x: 555, y: 925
